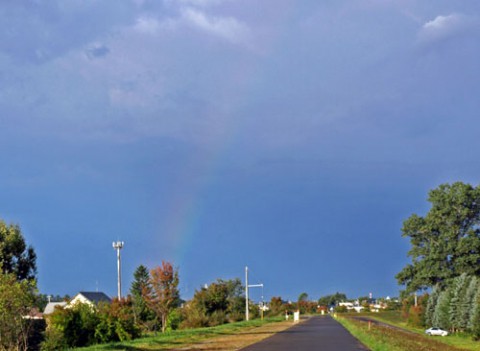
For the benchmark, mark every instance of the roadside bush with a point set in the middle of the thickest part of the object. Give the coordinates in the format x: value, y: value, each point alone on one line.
x: 72, y: 327
x: 193, y: 318
x: 416, y: 316
x: 84, y: 325
x: 217, y: 318
x: 175, y: 318
x: 116, y: 322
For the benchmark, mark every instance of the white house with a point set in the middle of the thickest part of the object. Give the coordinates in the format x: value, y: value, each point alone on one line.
x: 89, y: 298
x: 51, y: 307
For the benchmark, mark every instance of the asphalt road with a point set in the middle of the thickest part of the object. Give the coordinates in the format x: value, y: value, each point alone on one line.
x: 317, y: 333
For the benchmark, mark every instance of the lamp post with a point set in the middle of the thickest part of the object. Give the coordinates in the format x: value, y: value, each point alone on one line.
x: 118, y: 245
x: 247, y: 317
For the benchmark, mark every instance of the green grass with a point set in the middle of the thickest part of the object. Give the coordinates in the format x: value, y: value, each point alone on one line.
x: 458, y: 340
x: 179, y: 338
x: 373, y: 342
x: 455, y: 341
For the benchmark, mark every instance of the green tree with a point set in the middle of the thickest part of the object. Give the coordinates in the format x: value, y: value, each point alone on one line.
x: 217, y: 303
x: 142, y: 313
x: 116, y: 321
x: 15, y: 256
x: 277, y: 306
x: 474, y: 322
x: 162, y: 294
x: 441, y: 316
x: 446, y: 242
x: 431, y: 304
x: 459, y: 289
x: 71, y: 327
x: 16, y: 299
x: 332, y: 300
x: 469, y: 304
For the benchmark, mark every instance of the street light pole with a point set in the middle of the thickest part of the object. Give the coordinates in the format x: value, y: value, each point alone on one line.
x: 118, y: 245
x: 246, y: 293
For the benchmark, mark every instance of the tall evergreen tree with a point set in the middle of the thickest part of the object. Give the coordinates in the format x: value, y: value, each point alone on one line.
x: 140, y: 283
x: 431, y: 304
x: 459, y: 288
x: 474, y: 322
x: 467, y: 304
x: 441, y: 316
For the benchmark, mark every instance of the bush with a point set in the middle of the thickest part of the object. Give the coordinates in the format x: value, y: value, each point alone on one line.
x: 84, y: 325
x: 72, y: 327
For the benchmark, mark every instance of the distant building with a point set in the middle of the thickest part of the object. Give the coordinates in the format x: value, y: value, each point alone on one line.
x: 50, y: 308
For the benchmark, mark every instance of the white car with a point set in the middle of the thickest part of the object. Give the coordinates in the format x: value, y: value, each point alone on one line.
x: 436, y: 331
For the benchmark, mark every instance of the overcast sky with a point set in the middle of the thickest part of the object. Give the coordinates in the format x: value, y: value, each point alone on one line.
x: 292, y: 136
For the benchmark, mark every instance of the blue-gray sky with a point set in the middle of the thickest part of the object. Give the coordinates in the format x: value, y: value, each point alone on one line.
x: 290, y: 136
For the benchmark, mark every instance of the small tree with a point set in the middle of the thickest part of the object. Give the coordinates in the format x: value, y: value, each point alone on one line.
x: 162, y: 294
x: 142, y: 314
x: 276, y: 306
x: 431, y: 304
x: 116, y: 321
x: 474, y: 322
x: 459, y: 289
x: 16, y: 299
x: 15, y: 256
x: 441, y: 316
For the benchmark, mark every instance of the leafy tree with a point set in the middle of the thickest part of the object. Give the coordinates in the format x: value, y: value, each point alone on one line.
x: 162, y: 294
x: 15, y: 256
x: 276, y: 306
x: 216, y: 304
x: 16, y: 299
x: 71, y: 327
x: 116, y: 321
x: 416, y: 314
x: 446, y: 242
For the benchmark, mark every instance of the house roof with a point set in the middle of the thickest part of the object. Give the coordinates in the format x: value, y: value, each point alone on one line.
x: 95, y: 297
x: 51, y: 307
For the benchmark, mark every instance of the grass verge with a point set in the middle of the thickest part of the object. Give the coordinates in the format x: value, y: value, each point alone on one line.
x: 462, y: 341
x: 224, y: 337
x: 384, y: 338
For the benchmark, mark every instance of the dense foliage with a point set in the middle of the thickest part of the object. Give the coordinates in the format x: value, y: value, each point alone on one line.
x: 16, y: 299
x: 457, y: 307
x: 446, y: 258
x: 15, y: 256
x: 17, y: 287
x: 144, y: 317
x: 218, y: 303
x: 446, y: 242
x: 161, y: 294
x: 332, y: 300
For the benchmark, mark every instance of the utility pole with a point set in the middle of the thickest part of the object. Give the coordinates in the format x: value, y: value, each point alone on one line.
x: 118, y: 245
x: 246, y: 293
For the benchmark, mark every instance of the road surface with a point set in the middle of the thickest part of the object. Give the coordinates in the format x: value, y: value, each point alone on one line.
x: 317, y: 333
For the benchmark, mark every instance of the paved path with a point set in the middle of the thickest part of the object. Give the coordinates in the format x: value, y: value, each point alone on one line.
x: 317, y: 333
